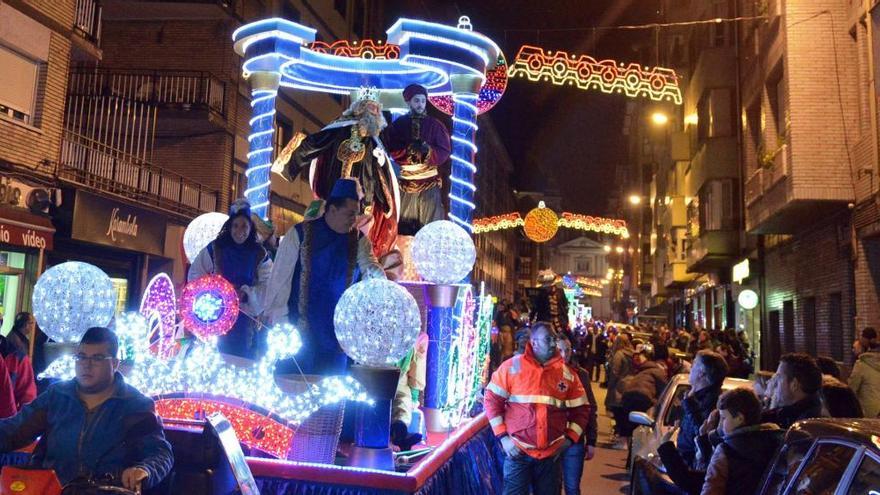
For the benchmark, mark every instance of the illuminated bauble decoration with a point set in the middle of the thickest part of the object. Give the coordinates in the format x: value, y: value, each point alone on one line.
x: 443, y: 252
x: 72, y: 297
x: 200, y: 232
x: 490, y: 92
x: 377, y: 322
x: 541, y: 223
x: 209, y: 306
x: 748, y: 299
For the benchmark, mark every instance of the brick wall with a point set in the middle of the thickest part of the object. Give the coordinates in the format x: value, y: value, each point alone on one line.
x: 60, y: 11
x: 814, y: 264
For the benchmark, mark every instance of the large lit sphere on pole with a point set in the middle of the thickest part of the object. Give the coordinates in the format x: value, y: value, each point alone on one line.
x: 377, y: 322
x: 200, y: 232
x: 443, y: 252
x: 541, y: 223
x: 72, y: 297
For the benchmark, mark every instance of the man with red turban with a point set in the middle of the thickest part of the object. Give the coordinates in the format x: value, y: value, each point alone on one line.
x: 418, y: 143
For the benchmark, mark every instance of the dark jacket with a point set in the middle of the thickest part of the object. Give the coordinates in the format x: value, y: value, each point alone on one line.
x: 649, y: 379
x: 592, y: 431
x: 122, y: 432
x: 696, y: 408
x: 785, y: 416
x: 739, y: 461
x: 620, y: 366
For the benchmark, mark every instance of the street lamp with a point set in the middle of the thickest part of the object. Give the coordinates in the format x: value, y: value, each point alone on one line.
x: 607, y: 248
x: 659, y: 118
x: 619, y: 249
x: 635, y: 199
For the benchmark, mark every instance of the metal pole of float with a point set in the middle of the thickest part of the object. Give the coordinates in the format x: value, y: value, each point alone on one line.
x: 264, y: 90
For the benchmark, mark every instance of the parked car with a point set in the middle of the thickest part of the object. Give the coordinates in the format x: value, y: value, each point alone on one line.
x: 827, y: 456
x: 667, y: 412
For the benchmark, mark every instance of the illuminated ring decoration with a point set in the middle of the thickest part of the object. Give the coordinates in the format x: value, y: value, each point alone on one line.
x: 209, y: 306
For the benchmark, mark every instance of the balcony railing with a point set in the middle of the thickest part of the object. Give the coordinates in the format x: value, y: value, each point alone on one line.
x: 88, y: 20
x: 92, y: 164
x: 165, y: 88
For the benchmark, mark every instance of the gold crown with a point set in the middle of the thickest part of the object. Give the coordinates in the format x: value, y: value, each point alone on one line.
x: 368, y: 93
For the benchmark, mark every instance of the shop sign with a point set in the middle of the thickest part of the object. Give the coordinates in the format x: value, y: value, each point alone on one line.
x: 23, y: 234
x: 107, y: 222
x: 741, y: 271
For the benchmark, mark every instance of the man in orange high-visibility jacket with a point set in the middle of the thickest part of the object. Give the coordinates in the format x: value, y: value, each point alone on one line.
x: 537, y: 407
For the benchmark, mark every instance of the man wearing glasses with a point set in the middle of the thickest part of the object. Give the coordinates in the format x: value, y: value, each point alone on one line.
x: 537, y: 407
x: 94, y: 425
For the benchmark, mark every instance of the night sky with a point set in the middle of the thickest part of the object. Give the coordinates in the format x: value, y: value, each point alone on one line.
x: 569, y: 134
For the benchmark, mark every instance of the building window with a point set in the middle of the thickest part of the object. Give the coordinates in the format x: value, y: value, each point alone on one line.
x: 283, y: 133
x: 18, y: 86
x: 788, y: 325
x: 583, y: 266
x: 717, y: 205
x: 809, y: 319
x: 715, y: 114
x: 775, y: 337
x: 238, y: 180
x: 835, y: 325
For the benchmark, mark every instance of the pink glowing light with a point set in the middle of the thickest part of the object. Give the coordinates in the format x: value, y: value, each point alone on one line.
x: 211, y: 289
x: 159, y: 307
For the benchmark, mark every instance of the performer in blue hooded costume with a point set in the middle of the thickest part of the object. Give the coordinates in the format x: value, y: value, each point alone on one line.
x: 316, y: 261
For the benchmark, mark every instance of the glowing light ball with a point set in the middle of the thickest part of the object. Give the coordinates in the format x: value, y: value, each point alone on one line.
x: 72, y: 297
x: 377, y: 322
x: 443, y: 252
x: 200, y: 232
x: 209, y: 306
x: 541, y: 224
x: 748, y: 299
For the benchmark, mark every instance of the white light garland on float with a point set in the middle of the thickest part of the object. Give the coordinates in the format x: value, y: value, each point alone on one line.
x: 201, y: 370
x: 443, y: 252
x: 377, y: 322
x: 200, y: 232
x: 72, y: 297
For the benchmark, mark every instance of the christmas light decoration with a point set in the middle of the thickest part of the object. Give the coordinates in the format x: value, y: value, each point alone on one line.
x: 72, y: 297
x: 490, y: 93
x: 585, y: 72
x: 541, y: 223
x: 261, y: 145
x: 462, y: 188
x: 159, y: 307
x: 443, y: 252
x: 593, y: 224
x: 498, y: 222
x: 202, y: 374
x: 209, y: 306
x: 369, y: 49
x: 377, y: 322
x: 200, y: 232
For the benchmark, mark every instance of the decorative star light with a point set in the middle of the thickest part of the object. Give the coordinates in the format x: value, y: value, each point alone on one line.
x: 200, y: 232
x: 72, y: 297
x: 443, y: 252
x: 201, y: 374
x: 377, y: 322
x: 209, y: 306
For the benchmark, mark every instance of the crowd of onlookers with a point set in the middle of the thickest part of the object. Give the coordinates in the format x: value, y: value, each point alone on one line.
x: 724, y: 440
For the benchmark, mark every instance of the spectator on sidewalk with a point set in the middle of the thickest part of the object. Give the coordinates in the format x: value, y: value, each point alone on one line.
x: 619, y: 367
x: 747, y: 446
x: 865, y: 376
x: 537, y: 408
x: 585, y: 448
x: 798, y: 382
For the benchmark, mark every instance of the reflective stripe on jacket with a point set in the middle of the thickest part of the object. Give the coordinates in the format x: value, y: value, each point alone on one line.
x: 538, y: 406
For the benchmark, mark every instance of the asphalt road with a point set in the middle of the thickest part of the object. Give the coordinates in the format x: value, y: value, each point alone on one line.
x: 606, y: 472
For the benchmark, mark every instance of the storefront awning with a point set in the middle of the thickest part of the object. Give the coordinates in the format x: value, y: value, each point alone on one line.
x: 20, y: 227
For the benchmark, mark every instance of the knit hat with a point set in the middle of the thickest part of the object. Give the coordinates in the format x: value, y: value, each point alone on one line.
x: 240, y: 207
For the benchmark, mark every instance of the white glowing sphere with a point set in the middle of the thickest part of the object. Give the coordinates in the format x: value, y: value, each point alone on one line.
x: 377, y: 322
x: 72, y: 297
x: 443, y: 252
x: 200, y: 232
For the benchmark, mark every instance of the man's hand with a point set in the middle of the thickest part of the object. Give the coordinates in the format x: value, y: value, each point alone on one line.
x: 667, y: 437
x: 711, y: 423
x: 510, y: 447
x: 590, y: 453
x: 133, y: 477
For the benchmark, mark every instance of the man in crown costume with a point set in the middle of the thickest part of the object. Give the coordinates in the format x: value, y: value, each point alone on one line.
x: 418, y: 143
x: 350, y: 147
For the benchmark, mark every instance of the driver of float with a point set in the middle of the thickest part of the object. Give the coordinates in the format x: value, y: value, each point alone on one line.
x: 94, y: 426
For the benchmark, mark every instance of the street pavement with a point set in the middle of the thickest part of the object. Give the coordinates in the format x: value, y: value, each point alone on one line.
x: 606, y: 472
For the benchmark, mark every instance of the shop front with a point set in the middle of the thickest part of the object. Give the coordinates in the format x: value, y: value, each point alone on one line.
x: 124, y: 240
x: 25, y: 238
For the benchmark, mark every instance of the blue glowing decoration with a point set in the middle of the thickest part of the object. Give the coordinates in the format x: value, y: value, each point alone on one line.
x: 462, y: 188
x: 259, y: 155
x: 208, y: 307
